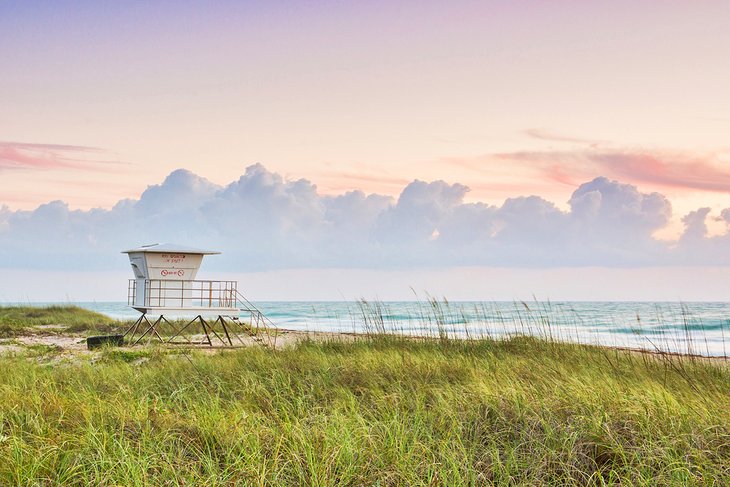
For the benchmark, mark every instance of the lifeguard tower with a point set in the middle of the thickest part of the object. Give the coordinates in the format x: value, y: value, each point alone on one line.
x: 164, y: 286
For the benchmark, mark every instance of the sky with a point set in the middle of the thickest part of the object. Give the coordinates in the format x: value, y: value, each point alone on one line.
x: 480, y: 150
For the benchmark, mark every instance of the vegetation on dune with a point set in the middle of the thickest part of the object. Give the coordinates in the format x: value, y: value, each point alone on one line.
x: 68, y: 319
x: 17, y: 319
x: 381, y: 410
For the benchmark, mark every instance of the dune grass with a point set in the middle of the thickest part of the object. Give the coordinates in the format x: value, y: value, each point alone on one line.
x: 68, y: 319
x: 20, y: 319
x: 378, y: 411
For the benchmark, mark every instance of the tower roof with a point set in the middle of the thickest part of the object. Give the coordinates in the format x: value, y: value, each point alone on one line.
x: 169, y: 248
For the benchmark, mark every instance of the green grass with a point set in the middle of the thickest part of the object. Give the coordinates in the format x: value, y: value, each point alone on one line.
x: 20, y: 319
x: 380, y: 411
x: 24, y: 320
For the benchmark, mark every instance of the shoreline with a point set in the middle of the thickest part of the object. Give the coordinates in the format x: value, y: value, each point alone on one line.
x: 675, y: 330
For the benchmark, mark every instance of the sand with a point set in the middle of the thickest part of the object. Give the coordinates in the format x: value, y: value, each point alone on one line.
x: 74, y: 345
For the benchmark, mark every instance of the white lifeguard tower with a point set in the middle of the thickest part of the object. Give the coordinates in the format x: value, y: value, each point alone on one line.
x: 164, y: 284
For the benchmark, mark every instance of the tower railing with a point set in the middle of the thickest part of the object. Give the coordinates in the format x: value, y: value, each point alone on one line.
x: 181, y: 294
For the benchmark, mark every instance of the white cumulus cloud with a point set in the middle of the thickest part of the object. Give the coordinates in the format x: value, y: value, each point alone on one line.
x: 263, y: 221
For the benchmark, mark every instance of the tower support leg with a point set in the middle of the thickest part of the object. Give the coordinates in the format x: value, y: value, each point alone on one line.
x: 151, y: 329
x: 133, y: 328
x: 225, y: 329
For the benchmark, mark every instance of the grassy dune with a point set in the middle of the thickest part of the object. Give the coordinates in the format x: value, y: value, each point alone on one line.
x: 20, y: 319
x: 379, y: 411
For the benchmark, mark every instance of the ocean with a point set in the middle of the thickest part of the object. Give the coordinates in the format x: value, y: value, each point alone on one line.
x: 701, y: 328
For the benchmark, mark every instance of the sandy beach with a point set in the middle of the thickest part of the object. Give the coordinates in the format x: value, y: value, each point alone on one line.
x: 72, y: 345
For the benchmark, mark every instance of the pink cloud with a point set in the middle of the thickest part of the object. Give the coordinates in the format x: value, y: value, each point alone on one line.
x: 559, y: 174
x: 660, y: 169
x: 20, y: 155
x: 13, y: 158
x: 51, y: 147
x: 668, y: 171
